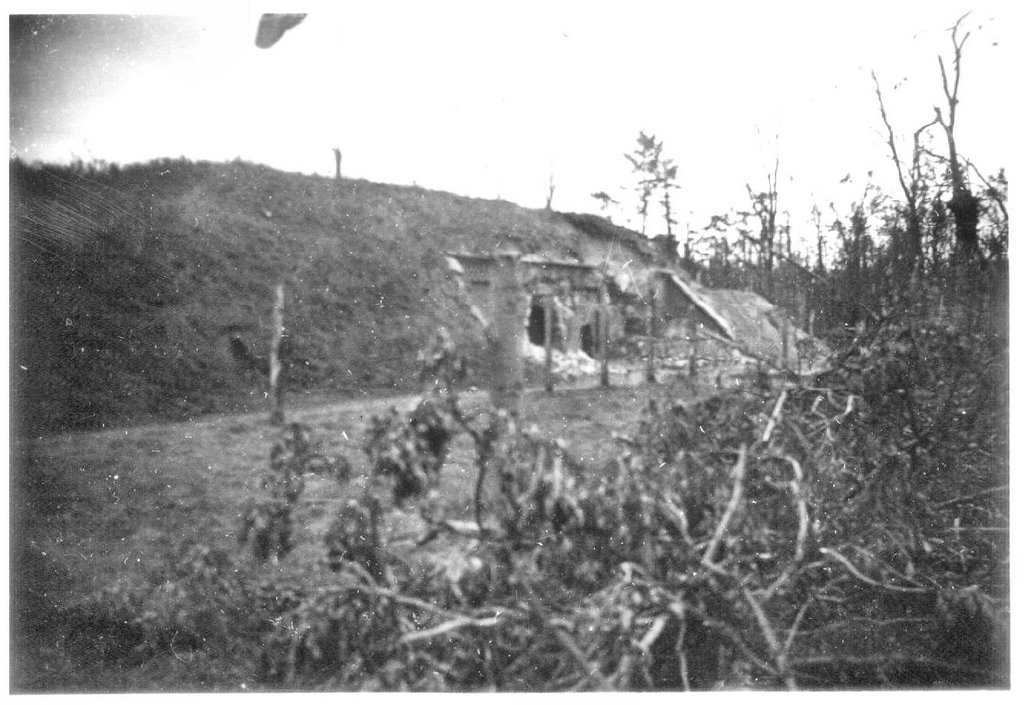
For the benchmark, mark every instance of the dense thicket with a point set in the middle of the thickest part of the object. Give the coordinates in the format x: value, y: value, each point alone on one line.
x: 847, y: 531
x: 851, y: 530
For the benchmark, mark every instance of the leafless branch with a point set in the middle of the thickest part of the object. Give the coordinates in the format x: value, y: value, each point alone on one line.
x: 846, y: 622
x: 657, y: 627
x: 544, y: 619
x: 892, y: 139
x: 677, y: 515
x: 770, y: 638
x: 762, y: 621
x: 865, y: 579
x: 684, y: 669
x: 457, y: 527
x: 448, y: 627
x: 952, y: 100
x: 909, y: 191
x: 918, y: 151
x: 796, y: 488
x: 739, y: 471
x: 730, y: 633
x: 991, y: 189
x: 794, y: 628
x: 969, y: 497
x: 935, y: 155
x: 951, y: 97
x: 774, y: 418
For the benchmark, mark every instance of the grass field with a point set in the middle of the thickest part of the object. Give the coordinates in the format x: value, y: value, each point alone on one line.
x: 99, y: 512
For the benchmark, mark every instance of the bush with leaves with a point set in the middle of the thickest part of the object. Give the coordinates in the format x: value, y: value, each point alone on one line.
x: 268, y: 521
x: 847, y: 531
x: 201, y: 603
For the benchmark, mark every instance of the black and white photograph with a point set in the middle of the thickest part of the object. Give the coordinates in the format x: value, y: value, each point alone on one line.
x: 531, y: 347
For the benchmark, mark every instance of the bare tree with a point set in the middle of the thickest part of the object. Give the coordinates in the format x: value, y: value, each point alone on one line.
x: 645, y: 160
x: 666, y: 177
x: 911, y: 183
x: 820, y: 263
x: 765, y: 206
x: 963, y: 205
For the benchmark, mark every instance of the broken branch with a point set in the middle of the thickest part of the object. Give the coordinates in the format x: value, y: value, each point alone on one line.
x: 865, y: 579
x: 770, y: 639
x: 739, y: 471
x: 774, y: 418
x: 447, y: 627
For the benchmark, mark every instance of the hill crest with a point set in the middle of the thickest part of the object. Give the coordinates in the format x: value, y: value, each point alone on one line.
x: 130, y: 283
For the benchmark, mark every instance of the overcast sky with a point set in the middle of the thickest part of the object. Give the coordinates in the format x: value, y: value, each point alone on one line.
x: 491, y: 99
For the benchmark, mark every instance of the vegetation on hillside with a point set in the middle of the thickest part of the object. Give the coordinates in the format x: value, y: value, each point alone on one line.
x: 128, y: 284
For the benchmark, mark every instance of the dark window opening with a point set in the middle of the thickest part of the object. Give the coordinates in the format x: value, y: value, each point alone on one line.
x: 588, y: 341
x: 535, y: 327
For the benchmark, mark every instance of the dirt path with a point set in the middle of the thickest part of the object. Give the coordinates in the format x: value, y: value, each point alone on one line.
x: 97, y: 514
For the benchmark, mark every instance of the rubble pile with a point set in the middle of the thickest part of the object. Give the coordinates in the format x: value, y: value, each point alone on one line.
x: 567, y: 366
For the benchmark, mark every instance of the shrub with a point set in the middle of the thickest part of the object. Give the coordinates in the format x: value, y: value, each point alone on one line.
x: 201, y: 604
x: 268, y: 522
x: 847, y: 531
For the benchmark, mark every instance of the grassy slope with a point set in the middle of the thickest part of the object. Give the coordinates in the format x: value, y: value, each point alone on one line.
x: 126, y: 285
x: 108, y: 510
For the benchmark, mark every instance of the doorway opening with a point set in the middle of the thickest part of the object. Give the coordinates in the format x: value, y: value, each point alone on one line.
x: 535, y: 325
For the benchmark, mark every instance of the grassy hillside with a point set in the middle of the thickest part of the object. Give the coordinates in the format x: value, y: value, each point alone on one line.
x: 128, y: 284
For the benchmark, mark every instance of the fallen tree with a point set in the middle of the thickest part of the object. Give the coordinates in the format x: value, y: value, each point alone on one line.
x: 851, y: 531
x: 846, y: 531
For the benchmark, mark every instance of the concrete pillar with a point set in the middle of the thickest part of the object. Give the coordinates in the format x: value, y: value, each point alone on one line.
x: 549, y: 314
x: 507, y: 334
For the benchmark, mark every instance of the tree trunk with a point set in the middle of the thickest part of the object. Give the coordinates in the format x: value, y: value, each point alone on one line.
x: 964, y: 206
x: 651, y: 329
x: 603, y: 338
x: 549, y: 313
x: 506, y: 335
x: 914, y: 239
x: 276, y: 390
